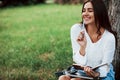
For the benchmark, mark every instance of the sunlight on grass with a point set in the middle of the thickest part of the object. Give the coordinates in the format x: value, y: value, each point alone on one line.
x: 46, y: 56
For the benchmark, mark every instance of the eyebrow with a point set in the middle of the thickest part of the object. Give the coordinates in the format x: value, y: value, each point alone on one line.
x: 88, y: 8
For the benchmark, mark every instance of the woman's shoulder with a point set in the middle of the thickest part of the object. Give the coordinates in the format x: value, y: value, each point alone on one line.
x: 77, y: 26
x: 110, y: 36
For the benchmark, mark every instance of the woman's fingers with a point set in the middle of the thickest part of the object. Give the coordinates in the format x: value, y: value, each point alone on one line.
x: 81, y: 39
x: 81, y: 36
x: 89, y: 71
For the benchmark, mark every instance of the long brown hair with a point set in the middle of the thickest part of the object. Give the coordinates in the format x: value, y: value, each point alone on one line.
x: 101, y: 16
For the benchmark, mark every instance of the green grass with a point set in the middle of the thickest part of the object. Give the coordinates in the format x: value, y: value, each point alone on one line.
x: 35, y: 40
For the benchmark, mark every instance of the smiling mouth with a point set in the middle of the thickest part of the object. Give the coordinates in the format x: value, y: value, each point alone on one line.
x: 86, y: 19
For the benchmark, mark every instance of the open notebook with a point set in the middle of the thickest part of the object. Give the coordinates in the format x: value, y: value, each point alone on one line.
x: 78, y: 71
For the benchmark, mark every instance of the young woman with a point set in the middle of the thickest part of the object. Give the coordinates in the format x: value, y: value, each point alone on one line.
x: 93, y: 41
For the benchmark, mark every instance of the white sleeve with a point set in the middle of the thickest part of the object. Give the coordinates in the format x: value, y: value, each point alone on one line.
x: 77, y: 58
x: 108, y: 55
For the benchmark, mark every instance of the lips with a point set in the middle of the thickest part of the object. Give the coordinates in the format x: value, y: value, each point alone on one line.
x: 87, y: 18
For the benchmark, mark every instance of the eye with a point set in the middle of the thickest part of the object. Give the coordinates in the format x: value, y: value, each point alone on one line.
x: 83, y: 10
x: 90, y: 10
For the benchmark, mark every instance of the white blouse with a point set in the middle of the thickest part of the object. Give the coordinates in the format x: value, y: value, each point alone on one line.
x: 97, y: 53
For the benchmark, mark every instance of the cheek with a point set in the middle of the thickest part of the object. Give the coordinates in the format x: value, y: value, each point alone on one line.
x: 93, y: 18
x: 92, y: 15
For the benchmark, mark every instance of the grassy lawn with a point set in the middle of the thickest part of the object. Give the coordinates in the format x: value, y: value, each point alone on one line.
x: 35, y: 40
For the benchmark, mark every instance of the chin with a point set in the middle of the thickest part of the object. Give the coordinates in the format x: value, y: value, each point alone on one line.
x: 87, y: 22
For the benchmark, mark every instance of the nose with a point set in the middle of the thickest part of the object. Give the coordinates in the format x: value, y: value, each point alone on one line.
x: 85, y: 12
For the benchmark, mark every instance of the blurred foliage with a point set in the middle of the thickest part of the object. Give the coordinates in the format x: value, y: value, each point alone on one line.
x: 68, y: 1
x: 4, y: 3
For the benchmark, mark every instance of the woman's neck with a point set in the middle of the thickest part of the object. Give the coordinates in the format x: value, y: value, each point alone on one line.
x: 91, y: 29
x: 92, y: 32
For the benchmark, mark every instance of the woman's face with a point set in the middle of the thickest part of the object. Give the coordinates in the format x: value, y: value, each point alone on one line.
x: 88, y: 13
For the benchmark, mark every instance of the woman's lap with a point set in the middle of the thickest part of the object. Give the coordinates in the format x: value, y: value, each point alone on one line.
x: 110, y: 75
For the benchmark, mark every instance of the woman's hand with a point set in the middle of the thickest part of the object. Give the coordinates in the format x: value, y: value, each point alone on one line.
x: 82, y: 42
x: 82, y: 39
x: 90, y: 72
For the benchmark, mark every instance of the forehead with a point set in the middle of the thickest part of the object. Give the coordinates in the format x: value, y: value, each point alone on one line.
x: 88, y: 5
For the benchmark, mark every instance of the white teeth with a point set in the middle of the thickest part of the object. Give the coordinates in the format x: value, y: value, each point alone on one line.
x: 86, y: 18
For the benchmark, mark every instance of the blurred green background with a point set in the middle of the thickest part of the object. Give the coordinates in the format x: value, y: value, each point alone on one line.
x: 35, y: 40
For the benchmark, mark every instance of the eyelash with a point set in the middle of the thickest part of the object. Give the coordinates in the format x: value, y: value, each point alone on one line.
x: 88, y: 11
